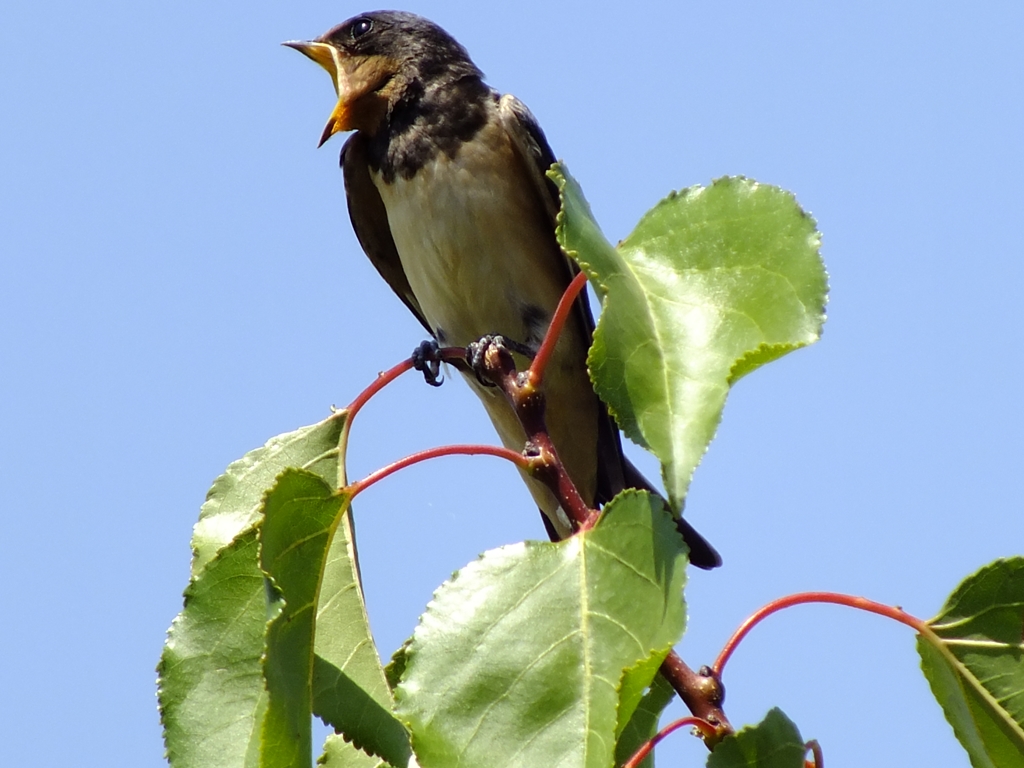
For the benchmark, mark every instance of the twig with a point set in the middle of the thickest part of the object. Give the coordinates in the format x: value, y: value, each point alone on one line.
x: 565, y: 306
x: 861, y: 603
x: 707, y: 731
x: 432, y: 453
x: 701, y: 692
x: 814, y: 748
x: 386, y: 377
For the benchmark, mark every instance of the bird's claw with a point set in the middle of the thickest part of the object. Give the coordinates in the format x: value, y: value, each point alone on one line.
x: 476, y: 355
x: 426, y: 360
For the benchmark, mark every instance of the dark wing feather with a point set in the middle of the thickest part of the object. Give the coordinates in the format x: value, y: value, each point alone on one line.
x: 370, y: 222
x: 614, y: 471
x: 533, y: 146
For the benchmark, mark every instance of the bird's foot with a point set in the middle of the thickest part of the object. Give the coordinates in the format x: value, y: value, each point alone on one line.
x: 490, y: 358
x: 426, y: 360
x: 476, y: 356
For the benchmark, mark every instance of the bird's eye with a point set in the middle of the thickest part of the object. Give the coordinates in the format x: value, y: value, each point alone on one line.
x: 360, y: 27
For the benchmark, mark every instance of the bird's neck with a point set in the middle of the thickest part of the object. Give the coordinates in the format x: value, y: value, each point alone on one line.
x: 426, y: 120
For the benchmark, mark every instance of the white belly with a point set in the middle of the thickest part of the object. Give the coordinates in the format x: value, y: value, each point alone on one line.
x: 474, y: 246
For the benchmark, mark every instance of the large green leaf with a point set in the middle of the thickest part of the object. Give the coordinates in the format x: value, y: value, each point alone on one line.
x: 775, y: 742
x: 974, y: 660
x: 211, y: 692
x: 518, y: 659
x: 222, y: 629
x: 713, y: 283
x: 211, y: 685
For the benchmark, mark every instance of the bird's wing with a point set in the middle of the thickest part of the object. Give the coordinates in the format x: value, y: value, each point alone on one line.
x: 532, y: 145
x: 614, y: 470
x: 370, y: 222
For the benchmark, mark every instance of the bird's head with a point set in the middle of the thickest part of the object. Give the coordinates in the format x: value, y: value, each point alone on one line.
x: 376, y: 59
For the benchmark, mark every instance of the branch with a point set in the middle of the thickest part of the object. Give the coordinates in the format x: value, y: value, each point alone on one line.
x: 702, y: 693
x: 814, y: 748
x: 383, y: 379
x: 528, y: 402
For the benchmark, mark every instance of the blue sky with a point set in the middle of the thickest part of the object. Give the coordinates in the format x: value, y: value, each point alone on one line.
x: 179, y: 282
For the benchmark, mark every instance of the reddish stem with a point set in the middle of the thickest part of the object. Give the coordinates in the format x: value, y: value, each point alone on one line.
x: 861, y: 603
x: 432, y: 453
x: 706, y: 728
x: 386, y: 377
x: 815, y: 749
x: 702, y: 692
x: 547, y: 347
x: 383, y: 379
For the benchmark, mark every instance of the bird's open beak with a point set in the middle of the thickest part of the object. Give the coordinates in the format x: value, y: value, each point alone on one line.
x: 328, y: 57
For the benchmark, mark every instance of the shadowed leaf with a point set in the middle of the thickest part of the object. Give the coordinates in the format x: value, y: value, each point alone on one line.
x: 299, y: 514
x: 773, y: 743
x: 211, y: 692
x: 974, y: 662
x: 643, y: 725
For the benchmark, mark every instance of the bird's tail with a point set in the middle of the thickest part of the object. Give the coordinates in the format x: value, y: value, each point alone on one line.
x: 702, y: 554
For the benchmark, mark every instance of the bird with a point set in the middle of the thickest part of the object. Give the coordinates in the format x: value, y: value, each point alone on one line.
x: 447, y: 193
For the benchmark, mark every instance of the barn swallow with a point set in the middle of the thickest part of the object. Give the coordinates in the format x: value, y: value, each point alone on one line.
x: 447, y: 193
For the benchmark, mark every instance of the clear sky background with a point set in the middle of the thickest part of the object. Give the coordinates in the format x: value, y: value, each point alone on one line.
x: 179, y: 283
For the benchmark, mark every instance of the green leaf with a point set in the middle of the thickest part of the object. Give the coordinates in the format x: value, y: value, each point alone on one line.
x: 233, y: 502
x: 775, y: 742
x: 338, y: 753
x: 635, y: 681
x: 319, y: 603
x: 643, y: 725
x: 211, y: 686
x: 519, y: 657
x: 713, y: 283
x: 300, y: 512
x: 211, y: 692
x: 350, y: 691
x: 974, y: 660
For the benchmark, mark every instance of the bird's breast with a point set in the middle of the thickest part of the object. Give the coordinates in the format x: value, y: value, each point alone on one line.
x: 475, y: 243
